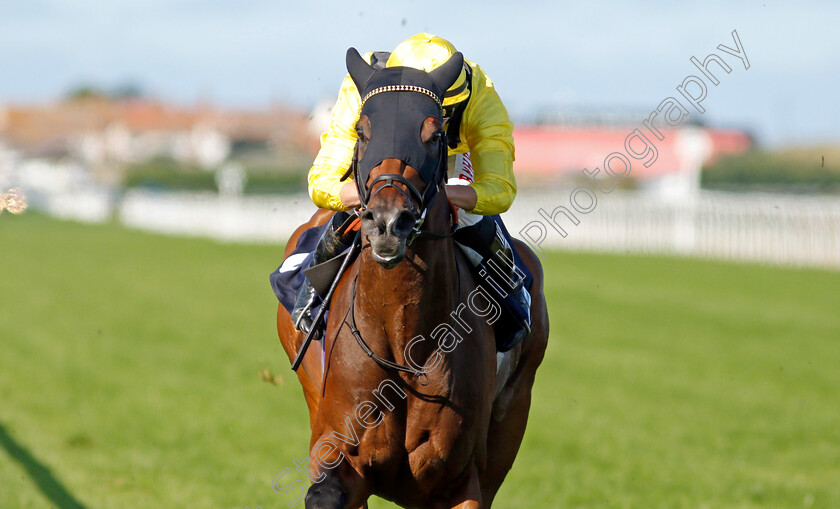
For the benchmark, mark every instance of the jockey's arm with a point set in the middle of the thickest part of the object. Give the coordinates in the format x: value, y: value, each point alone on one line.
x: 349, y: 195
x: 336, y: 154
x: 463, y: 197
x: 488, y: 132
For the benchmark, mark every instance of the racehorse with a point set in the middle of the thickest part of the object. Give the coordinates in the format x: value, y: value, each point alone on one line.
x: 404, y: 397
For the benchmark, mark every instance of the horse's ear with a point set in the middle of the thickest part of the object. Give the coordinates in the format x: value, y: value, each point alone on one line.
x: 445, y: 75
x: 359, y: 70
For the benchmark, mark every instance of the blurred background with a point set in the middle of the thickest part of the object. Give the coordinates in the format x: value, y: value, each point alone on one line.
x: 142, y: 369
x: 152, y: 114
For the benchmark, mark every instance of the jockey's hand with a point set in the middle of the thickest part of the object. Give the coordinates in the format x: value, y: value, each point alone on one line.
x: 463, y: 197
x: 349, y: 195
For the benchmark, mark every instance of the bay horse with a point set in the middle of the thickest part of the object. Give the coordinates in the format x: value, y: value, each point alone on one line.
x: 403, y: 396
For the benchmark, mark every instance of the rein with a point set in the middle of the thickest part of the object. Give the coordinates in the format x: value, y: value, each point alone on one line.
x: 426, y: 199
x: 311, y: 334
x: 350, y: 321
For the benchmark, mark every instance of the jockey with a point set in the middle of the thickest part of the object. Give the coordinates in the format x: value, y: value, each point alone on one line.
x: 481, y: 181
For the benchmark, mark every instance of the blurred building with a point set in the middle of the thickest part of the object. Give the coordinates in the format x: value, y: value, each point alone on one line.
x: 98, y: 130
x: 560, y: 146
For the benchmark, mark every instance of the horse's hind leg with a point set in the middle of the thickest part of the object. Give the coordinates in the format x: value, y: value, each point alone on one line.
x: 510, y: 415
x: 310, y: 372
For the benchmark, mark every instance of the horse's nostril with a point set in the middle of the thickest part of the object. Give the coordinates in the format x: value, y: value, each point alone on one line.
x: 403, y: 223
x: 387, y: 222
x: 376, y: 218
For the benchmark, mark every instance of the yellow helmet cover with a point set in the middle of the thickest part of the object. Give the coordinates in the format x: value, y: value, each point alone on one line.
x: 427, y: 52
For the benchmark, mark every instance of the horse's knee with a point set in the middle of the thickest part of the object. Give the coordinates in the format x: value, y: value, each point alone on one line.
x: 327, y: 494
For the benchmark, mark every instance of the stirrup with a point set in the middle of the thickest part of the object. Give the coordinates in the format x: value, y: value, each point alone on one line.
x: 305, y: 300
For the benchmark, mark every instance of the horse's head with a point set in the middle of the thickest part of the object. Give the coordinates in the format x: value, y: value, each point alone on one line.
x: 400, y: 160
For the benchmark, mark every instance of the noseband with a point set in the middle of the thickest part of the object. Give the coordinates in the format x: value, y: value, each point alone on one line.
x: 425, y: 199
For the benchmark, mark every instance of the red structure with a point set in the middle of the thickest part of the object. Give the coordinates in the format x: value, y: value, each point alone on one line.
x: 551, y: 151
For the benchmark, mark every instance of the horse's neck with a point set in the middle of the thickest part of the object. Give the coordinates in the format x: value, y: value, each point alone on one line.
x: 429, y: 269
x: 414, y: 297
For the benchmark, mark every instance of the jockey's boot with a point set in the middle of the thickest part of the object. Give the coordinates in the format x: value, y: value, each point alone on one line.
x: 329, y: 245
x: 499, y: 272
x: 306, y: 298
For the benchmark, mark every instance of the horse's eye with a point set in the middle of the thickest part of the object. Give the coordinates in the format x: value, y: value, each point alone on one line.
x: 360, y: 133
x: 436, y: 136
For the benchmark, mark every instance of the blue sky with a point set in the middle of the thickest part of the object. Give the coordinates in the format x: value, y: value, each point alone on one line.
x: 541, y: 55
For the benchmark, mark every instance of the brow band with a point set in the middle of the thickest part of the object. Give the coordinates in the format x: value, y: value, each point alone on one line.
x: 402, y: 88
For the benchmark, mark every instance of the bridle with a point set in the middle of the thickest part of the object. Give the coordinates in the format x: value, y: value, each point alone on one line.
x: 425, y: 199
x: 420, y: 203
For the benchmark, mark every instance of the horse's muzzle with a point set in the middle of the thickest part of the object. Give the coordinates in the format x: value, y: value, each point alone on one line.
x: 387, y: 230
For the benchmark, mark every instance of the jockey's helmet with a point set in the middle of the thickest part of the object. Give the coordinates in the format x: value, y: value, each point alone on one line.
x: 428, y: 52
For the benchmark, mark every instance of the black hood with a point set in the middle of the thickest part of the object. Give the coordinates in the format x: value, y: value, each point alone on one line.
x: 397, y: 100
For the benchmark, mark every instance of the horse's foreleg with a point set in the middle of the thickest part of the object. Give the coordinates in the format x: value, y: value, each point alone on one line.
x: 339, y: 486
x: 327, y: 494
x: 331, y: 494
x: 468, y: 496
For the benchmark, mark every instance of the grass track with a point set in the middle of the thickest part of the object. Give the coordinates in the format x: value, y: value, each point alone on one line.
x: 129, y: 361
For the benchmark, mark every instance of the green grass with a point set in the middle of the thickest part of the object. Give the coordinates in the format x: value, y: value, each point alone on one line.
x: 809, y: 169
x: 168, y: 174
x: 129, y: 378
